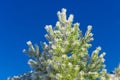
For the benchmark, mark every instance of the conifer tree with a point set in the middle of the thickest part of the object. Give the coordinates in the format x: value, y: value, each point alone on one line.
x: 66, y: 55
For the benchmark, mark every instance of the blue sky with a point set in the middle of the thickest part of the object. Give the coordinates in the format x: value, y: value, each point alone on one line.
x: 23, y: 20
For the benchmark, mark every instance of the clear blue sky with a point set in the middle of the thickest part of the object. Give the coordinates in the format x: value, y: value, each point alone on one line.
x: 23, y: 20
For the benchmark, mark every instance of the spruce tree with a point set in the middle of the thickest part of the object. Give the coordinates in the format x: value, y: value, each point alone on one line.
x: 66, y: 55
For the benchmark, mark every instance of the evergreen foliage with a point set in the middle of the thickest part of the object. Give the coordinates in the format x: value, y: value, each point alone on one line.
x: 53, y: 62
